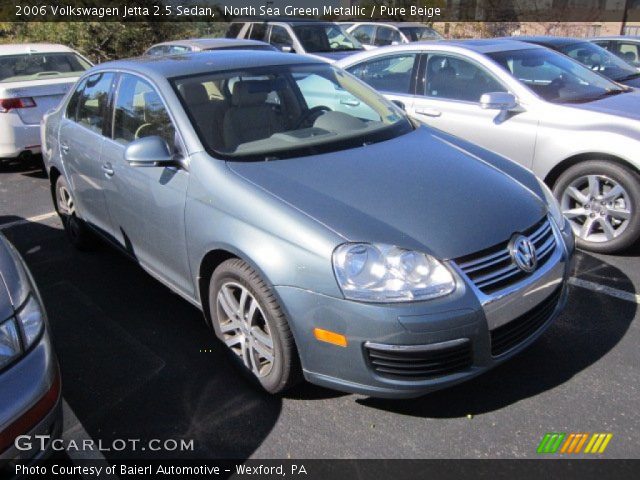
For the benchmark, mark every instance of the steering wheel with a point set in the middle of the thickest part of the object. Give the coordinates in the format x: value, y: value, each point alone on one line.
x: 314, y: 113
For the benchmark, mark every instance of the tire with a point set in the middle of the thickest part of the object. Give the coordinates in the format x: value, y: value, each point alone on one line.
x: 248, y: 339
x: 79, y: 235
x: 601, y: 199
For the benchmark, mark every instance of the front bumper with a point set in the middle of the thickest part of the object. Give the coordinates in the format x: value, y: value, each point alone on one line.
x: 35, y: 402
x: 462, y: 316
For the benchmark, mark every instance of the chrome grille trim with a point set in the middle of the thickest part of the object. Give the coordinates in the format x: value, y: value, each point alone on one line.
x: 493, y: 269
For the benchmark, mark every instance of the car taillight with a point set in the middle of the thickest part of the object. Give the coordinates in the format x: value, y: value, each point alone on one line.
x: 7, y: 104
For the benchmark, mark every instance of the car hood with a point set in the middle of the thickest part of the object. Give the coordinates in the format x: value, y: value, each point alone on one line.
x: 625, y: 105
x: 417, y: 191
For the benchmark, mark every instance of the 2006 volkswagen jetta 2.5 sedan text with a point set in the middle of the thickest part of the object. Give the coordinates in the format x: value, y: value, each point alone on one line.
x: 322, y: 233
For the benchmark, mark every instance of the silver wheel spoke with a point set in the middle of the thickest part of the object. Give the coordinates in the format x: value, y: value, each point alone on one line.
x: 577, y: 195
x: 594, y: 185
x: 587, y: 227
x: 620, y: 213
x: 575, y: 212
x: 234, y: 340
x: 614, y: 193
x: 609, y: 231
x: 227, y: 302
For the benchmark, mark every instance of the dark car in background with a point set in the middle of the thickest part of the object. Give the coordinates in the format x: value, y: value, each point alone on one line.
x: 30, y: 399
x: 591, y: 55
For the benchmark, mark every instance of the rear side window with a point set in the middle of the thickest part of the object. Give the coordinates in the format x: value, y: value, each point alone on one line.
x: 93, y: 101
x: 37, y: 66
x: 280, y: 37
x: 388, y: 74
x: 233, y: 30
x: 72, y: 106
x: 364, y: 34
x: 258, y: 31
x: 386, y: 36
x: 139, y: 112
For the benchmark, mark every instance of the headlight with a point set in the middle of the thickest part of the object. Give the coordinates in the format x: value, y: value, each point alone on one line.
x: 9, y: 342
x: 552, y: 205
x: 384, y: 273
x: 31, y: 320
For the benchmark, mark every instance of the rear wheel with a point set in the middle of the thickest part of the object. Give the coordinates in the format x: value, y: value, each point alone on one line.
x: 601, y: 200
x: 247, y: 318
x: 77, y: 231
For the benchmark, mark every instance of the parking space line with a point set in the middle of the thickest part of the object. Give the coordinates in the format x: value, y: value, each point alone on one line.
x: 34, y: 219
x: 612, y: 292
x: 73, y: 432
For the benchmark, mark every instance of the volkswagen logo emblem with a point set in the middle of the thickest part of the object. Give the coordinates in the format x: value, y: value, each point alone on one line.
x: 523, y: 253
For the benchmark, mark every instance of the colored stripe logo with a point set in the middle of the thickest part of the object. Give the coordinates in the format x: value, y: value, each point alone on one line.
x: 564, y: 443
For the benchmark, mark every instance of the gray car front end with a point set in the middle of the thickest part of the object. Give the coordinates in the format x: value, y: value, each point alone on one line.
x: 31, y: 402
x: 419, y: 192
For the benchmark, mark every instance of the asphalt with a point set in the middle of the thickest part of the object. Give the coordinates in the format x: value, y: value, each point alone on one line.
x: 139, y: 363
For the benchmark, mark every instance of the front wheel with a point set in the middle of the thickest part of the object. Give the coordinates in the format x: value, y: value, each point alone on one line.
x: 247, y: 318
x: 600, y: 200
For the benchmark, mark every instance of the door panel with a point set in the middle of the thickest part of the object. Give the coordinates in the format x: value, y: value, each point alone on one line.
x: 146, y: 203
x: 448, y: 98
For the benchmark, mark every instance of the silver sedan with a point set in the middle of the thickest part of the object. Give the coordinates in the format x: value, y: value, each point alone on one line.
x: 576, y: 130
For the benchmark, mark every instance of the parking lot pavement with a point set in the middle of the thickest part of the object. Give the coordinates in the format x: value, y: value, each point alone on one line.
x: 138, y: 363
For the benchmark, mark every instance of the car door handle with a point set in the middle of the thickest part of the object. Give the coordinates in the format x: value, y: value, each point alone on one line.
x: 429, y: 112
x: 64, y: 147
x: 350, y: 102
x: 108, y: 170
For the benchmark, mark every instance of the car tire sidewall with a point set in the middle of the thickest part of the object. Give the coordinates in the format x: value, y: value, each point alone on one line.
x: 239, y: 272
x: 628, y: 179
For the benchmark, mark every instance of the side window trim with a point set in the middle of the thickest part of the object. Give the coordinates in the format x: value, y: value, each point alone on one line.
x: 464, y: 59
x: 179, y: 141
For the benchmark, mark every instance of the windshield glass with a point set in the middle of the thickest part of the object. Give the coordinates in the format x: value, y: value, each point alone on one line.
x: 325, y: 38
x: 287, y: 111
x: 555, y: 77
x: 36, y: 66
x: 600, y: 60
x: 415, y: 34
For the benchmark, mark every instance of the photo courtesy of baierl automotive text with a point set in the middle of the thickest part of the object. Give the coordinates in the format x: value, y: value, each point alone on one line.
x: 319, y: 239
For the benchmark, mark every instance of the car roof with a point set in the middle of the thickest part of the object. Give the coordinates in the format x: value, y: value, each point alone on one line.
x: 549, y: 40
x: 395, y: 24
x: 193, y: 63
x: 634, y: 38
x: 481, y: 45
x: 18, y: 48
x: 213, y: 43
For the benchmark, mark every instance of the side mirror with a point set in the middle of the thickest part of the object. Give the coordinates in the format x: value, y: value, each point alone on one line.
x: 498, y: 101
x: 149, y: 152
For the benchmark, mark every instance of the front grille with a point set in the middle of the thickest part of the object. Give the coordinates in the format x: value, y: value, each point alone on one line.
x: 420, y: 362
x: 493, y: 269
x: 509, y: 335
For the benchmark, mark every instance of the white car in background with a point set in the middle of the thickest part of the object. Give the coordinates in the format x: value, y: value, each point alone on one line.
x: 33, y: 80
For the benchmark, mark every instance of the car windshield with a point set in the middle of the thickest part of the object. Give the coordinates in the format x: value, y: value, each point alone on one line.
x: 415, y: 34
x: 36, y: 66
x: 326, y: 38
x: 555, y: 77
x: 286, y: 111
x: 600, y: 60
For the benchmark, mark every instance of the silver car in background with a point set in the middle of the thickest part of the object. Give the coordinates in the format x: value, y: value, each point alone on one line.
x: 627, y: 47
x: 30, y: 386
x: 382, y: 34
x: 33, y: 79
x: 577, y: 130
x: 175, y: 47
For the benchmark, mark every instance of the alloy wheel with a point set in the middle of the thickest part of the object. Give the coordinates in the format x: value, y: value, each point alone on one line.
x: 598, y: 208
x: 244, y: 328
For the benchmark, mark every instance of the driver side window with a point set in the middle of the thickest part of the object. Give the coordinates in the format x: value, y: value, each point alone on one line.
x: 139, y: 112
x: 388, y: 74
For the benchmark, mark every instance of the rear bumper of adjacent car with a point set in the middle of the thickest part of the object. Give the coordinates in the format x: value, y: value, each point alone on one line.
x: 407, y: 350
x: 17, y: 137
x: 33, y: 411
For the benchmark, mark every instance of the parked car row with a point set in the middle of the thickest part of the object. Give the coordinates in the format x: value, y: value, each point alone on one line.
x: 249, y: 182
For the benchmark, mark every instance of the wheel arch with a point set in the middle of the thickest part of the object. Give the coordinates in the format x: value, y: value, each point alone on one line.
x: 553, y: 175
